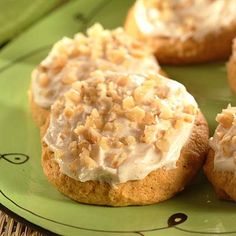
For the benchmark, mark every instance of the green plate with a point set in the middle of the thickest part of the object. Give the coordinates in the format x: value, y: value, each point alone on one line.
x: 24, y: 189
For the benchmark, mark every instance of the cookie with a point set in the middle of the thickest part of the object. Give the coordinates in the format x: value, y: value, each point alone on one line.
x: 220, y: 167
x: 184, y: 32
x: 73, y: 59
x: 124, y: 139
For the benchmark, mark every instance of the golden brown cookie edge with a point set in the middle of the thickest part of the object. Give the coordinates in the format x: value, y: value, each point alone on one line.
x: 223, y: 182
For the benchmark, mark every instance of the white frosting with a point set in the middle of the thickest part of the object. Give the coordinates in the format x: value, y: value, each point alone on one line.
x: 184, y: 19
x: 142, y: 158
x: 95, y: 53
x: 224, y: 141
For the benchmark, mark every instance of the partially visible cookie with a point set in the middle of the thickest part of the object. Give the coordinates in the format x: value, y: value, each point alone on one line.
x: 220, y: 167
x: 184, y: 32
x: 124, y: 139
x: 231, y: 68
x: 73, y: 59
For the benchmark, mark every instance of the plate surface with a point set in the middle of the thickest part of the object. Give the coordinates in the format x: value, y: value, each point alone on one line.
x: 25, y: 190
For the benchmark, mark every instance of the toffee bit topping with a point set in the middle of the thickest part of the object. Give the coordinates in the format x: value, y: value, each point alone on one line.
x: 225, y: 119
x: 74, y: 59
x: 117, y: 116
x: 43, y: 80
x: 224, y: 139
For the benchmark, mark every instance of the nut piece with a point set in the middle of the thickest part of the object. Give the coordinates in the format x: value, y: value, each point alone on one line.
x: 104, y: 143
x: 92, y: 135
x: 86, y: 161
x: 73, y: 96
x: 115, y: 160
x: 59, y: 61
x: 149, y: 118
x: 79, y: 130
x: 128, y: 103
x: 135, y: 114
x: 129, y: 140
x: 166, y: 113
x: 225, y: 119
x: 68, y: 112
x: 69, y: 78
x: 43, y: 80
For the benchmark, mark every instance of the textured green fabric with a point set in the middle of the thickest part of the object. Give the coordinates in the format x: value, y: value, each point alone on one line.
x: 16, y: 15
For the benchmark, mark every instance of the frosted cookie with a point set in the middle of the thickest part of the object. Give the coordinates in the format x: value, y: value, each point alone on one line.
x: 220, y: 167
x: 124, y: 139
x: 73, y: 59
x: 184, y: 31
x: 231, y: 68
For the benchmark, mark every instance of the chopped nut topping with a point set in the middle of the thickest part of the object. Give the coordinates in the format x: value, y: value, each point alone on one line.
x: 128, y: 103
x: 162, y: 145
x: 130, y: 140
x: 166, y: 113
x: 73, y: 60
x: 85, y: 160
x: 115, y: 160
x: 149, y: 118
x: 136, y: 114
x: 104, y: 143
x: 189, y: 109
x: 225, y: 119
x: 123, y: 81
x: 73, y: 96
x: 110, y: 118
x: 188, y: 118
x: 69, y: 78
x: 43, y: 80
x: 59, y: 61
x: 224, y: 140
x: 68, y: 112
x: 139, y: 94
x: 92, y: 135
x: 79, y: 130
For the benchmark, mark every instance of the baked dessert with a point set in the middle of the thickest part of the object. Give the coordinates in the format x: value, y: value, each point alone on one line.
x: 220, y: 167
x: 73, y: 59
x: 184, y: 31
x: 231, y: 68
x: 124, y: 139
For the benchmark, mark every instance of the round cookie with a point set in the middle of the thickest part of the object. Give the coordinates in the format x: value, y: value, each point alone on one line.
x: 231, y: 68
x: 73, y: 59
x: 184, y: 38
x: 82, y: 165
x: 220, y: 166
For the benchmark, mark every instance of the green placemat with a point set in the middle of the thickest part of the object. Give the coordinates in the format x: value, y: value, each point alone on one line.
x: 11, y: 227
x: 16, y: 15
